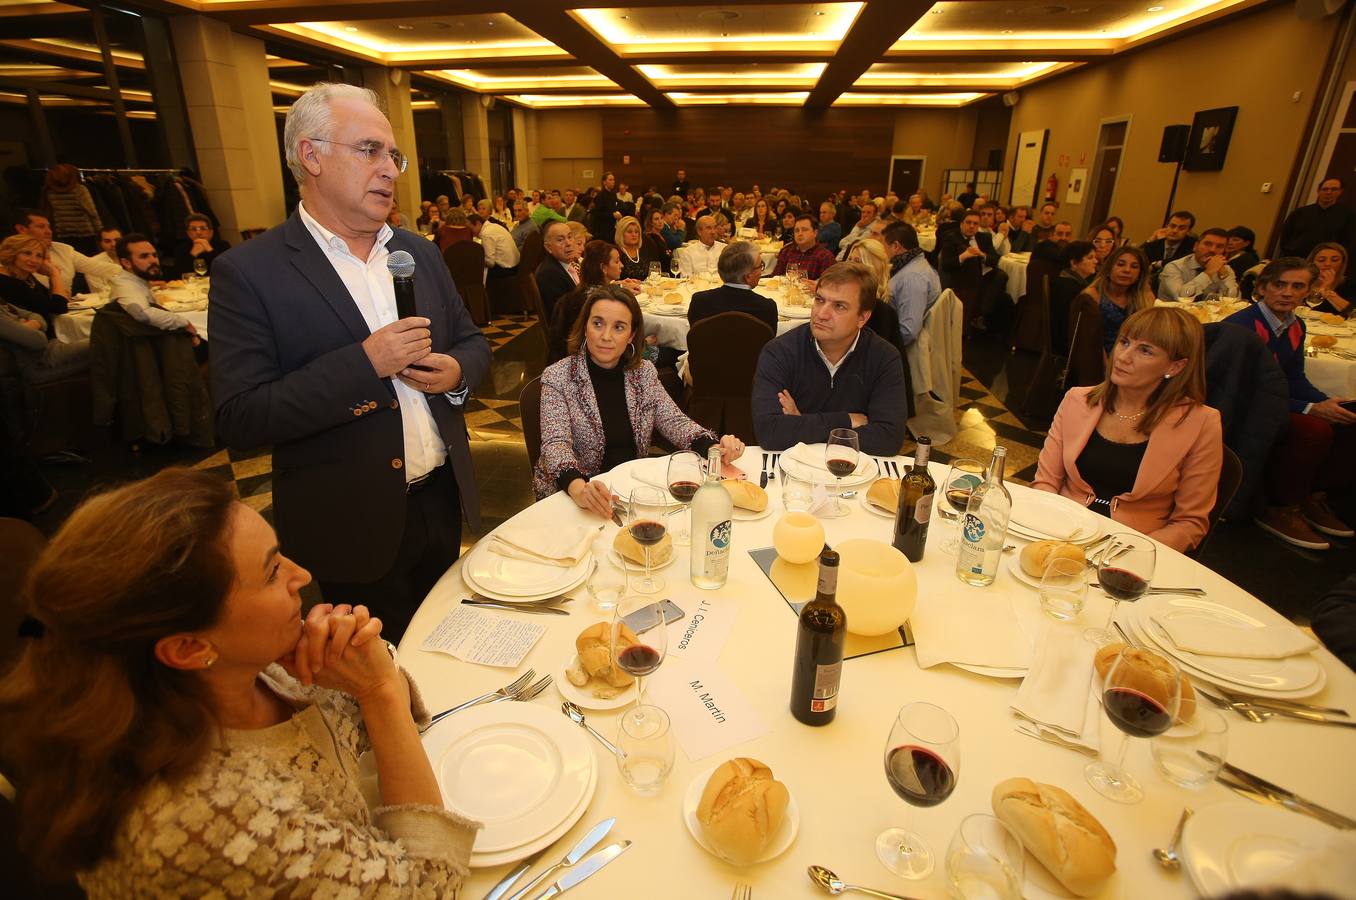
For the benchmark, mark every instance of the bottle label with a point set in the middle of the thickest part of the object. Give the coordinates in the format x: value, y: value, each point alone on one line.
x: 717, y: 557
x: 826, y: 687
x: 971, y: 555
x: 828, y: 580
x: 922, y: 513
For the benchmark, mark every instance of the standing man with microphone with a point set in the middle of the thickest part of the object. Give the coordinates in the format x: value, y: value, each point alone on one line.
x: 327, y: 347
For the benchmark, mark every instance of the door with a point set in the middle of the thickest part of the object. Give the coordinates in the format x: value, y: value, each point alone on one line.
x: 1110, y: 146
x: 1026, y: 168
x: 906, y: 174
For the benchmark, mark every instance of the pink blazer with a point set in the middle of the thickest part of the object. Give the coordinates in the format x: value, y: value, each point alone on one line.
x: 1177, y: 481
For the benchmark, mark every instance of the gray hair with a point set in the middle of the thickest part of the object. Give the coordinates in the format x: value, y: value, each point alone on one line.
x: 737, y: 260
x: 311, y: 117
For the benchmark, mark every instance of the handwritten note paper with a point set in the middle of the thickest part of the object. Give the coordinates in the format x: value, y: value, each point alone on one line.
x: 477, y: 636
x: 709, y: 713
x: 699, y: 636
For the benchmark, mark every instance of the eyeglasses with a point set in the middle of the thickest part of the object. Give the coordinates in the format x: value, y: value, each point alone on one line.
x: 369, y: 152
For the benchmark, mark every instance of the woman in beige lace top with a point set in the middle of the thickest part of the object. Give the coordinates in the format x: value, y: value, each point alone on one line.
x: 177, y: 730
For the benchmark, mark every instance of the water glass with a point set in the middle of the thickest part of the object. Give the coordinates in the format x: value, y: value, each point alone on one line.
x: 606, y: 588
x: 1175, y: 750
x: 798, y: 494
x: 1064, y: 588
x: 646, y: 739
x: 985, y: 860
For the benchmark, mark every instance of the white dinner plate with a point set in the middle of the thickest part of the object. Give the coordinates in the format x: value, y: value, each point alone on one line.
x: 510, y: 598
x: 1291, y: 673
x: 514, y: 854
x: 867, y: 470
x: 583, y: 697
x: 668, y: 309
x: 652, y: 471
x: 991, y: 671
x: 1230, y: 846
x: 786, y: 832
x: 1056, y: 517
x: 748, y: 515
x: 521, y: 577
x: 518, y: 768
x: 793, y: 312
x: 1139, y: 632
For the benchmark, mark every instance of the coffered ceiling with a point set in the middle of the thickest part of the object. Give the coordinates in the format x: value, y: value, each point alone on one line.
x: 661, y: 53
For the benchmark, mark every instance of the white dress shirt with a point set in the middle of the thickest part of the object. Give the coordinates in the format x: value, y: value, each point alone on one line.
x: 697, y: 257
x: 500, y: 249
x: 373, y: 292
x: 99, y: 271
x: 1001, y: 245
x: 1186, y: 277
x: 133, y: 294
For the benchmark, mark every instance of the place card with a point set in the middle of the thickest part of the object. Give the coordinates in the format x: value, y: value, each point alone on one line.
x: 709, y: 713
x: 478, y: 636
x: 700, y: 636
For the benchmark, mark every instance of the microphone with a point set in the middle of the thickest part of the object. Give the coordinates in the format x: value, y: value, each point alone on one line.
x: 401, y: 266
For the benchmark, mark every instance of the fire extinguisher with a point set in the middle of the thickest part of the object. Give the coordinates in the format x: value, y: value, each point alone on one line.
x: 1051, y: 186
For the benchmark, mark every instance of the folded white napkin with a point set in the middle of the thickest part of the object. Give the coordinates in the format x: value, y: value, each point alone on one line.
x: 1271, y: 641
x: 977, y: 627
x: 1056, y: 693
x: 549, y: 545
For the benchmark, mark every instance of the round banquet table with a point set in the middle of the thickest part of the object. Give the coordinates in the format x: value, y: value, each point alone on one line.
x: 835, y: 772
x: 668, y: 322
x: 191, y: 303
x: 1014, y: 266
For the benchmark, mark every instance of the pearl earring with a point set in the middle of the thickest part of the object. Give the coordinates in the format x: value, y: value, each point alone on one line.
x: 211, y: 661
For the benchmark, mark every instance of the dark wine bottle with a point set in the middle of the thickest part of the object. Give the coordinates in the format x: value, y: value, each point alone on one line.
x: 818, y: 666
x: 916, y: 494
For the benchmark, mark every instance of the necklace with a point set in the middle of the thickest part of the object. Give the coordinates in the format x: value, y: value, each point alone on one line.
x: 1128, y: 418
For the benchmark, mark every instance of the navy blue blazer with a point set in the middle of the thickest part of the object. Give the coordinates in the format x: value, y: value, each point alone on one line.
x: 289, y: 370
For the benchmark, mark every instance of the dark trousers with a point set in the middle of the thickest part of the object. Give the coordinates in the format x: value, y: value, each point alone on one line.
x: 430, y: 544
x: 1312, y: 455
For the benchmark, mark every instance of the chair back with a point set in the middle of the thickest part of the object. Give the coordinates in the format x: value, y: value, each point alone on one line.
x: 1033, y: 307
x: 1087, y: 362
x: 1230, y: 477
x: 529, y: 409
x: 23, y: 544
x: 466, y: 261
x: 531, y: 255
x: 722, y: 359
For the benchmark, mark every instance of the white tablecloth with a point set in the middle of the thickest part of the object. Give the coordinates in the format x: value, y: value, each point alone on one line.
x: 835, y: 773
x: 768, y: 250
x: 1014, y: 266
x: 77, y: 324
x: 671, y: 329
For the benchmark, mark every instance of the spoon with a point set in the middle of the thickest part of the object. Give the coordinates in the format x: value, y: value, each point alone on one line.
x: 1168, y: 858
x: 834, y: 885
x: 577, y: 717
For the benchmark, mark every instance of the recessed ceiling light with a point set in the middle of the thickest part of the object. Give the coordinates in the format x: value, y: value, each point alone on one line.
x: 935, y: 12
x: 1006, y: 31
x: 491, y: 24
x: 1155, y: 9
x: 625, y: 17
x: 819, y: 12
x: 350, y: 28
x: 405, y: 27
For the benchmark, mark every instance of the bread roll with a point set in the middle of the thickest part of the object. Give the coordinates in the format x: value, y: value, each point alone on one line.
x: 595, y: 653
x: 1035, y: 557
x: 1150, y: 677
x: 1322, y: 340
x: 632, y: 551
x: 884, y: 492
x: 741, y: 809
x: 1056, y: 829
x: 746, y: 494
x: 673, y: 298
x: 1331, y: 319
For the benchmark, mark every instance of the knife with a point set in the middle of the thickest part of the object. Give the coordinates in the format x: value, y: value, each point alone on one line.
x: 589, y: 866
x: 762, y: 476
x: 587, y: 843
x: 1284, y: 797
x: 519, y: 871
x: 518, y: 607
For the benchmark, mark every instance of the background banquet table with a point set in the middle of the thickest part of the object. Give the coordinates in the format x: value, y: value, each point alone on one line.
x: 189, y: 302
x: 668, y: 322
x: 835, y: 773
x: 1014, y: 266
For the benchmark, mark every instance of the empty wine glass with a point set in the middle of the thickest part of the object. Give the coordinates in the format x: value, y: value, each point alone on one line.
x: 841, y: 454
x: 646, y: 742
x: 656, y: 271
x: 685, y: 476
x: 1064, y: 587
x: 963, y: 477
x: 200, y: 267
x: 638, y: 646
x: 985, y: 860
x: 645, y: 518
x: 922, y: 765
x: 1124, y: 571
x: 1141, y: 695
x: 1190, y: 754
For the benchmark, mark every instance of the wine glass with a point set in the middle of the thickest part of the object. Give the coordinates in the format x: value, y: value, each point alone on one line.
x: 1064, y: 588
x: 645, y: 520
x: 1141, y: 695
x: 655, y: 272
x: 793, y: 274
x: 922, y: 764
x: 685, y: 476
x: 985, y: 860
x: 964, y: 476
x: 200, y: 267
x: 638, y: 653
x: 841, y: 454
x: 1124, y: 571
x: 647, y: 746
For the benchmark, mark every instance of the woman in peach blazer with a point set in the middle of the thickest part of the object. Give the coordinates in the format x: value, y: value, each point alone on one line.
x: 1142, y: 447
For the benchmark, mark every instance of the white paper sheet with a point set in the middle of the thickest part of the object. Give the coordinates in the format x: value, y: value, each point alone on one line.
x: 700, y: 636
x: 478, y: 636
x: 709, y: 713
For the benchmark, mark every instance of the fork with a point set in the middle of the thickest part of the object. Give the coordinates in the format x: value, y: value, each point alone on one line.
x: 530, y: 692
x: 742, y: 891
x: 507, y: 690
x: 772, y: 471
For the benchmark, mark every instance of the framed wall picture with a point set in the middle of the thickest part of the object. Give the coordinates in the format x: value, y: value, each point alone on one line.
x: 1209, y: 141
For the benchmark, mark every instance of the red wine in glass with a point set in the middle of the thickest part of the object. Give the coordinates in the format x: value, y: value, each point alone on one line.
x: 647, y: 533
x: 639, y: 659
x: 683, y: 491
x: 1121, y: 584
x: 841, y: 468
x: 1137, y: 714
x: 919, y: 776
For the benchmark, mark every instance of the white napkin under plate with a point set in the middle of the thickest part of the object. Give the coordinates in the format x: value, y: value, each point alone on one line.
x: 1056, y: 695
x: 976, y: 627
x: 1272, y: 641
x: 549, y: 545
